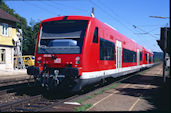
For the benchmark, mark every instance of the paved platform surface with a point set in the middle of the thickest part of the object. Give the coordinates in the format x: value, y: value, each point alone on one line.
x: 13, y: 75
x: 139, y: 93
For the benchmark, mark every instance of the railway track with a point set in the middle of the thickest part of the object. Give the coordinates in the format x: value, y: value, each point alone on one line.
x: 13, y: 82
x: 33, y: 104
x: 42, y: 102
x: 6, y: 87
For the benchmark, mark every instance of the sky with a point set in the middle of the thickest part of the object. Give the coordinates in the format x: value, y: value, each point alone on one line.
x: 129, y: 17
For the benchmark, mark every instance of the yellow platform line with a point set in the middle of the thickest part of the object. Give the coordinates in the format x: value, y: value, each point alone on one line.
x: 139, y: 98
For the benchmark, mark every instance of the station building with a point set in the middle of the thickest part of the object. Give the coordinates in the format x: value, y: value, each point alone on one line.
x: 7, y: 32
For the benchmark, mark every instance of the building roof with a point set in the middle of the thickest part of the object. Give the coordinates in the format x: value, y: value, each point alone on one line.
x: 4, y: 15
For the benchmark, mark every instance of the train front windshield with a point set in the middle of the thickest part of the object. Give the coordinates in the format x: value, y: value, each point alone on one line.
x: 62, y: 37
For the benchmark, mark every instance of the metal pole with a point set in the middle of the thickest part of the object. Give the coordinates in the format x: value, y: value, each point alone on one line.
x: 92, y: 13
x: 170, y: 42
x: 164, y: 56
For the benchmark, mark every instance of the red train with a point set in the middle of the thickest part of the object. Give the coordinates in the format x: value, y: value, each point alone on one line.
x: 74, y: 51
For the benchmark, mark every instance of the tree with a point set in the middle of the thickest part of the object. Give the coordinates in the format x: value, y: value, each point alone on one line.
x: 29, y: 41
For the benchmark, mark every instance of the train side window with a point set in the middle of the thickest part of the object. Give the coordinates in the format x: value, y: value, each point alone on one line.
x: 140, y: 56
x: 107, y: 50
x: 150, y: 58
x: 129, y: 56
x: 95, y: 37
x: 146, y: 57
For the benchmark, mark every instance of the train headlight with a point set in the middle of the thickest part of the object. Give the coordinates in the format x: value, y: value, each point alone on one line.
x: 39, y: 59
x: 77, y: 60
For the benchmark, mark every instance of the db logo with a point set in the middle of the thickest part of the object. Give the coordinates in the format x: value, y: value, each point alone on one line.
x: 58, y: 60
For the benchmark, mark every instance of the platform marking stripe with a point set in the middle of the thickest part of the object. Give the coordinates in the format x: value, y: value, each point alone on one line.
x: 98, y: 102
x: 159, y: 72
x: 126, y: 85
x: 132, y: 107
x: 105, y: 98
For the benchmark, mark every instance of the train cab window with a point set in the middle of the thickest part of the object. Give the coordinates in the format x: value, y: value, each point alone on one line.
x: 62, y: 37
x: 95, y: 37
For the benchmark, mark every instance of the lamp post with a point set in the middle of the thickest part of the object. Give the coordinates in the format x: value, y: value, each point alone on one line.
x: 165, y: 38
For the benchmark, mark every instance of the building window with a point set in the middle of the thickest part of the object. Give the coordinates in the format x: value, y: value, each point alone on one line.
x: 107, y: 50
x: 2, y: 56
x: 95, y: 37
x: 5, y: 29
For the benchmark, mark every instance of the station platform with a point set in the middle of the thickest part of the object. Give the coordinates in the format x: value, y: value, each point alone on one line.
x: 143, y: 92
x: 13, y: 75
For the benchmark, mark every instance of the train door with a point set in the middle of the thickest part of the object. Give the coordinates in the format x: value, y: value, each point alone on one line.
x: 147, y: 58
x: 118, y: 54
x: 138, y: 57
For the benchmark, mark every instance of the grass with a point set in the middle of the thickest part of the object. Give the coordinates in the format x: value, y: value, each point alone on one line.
x: 84, y: 107
x: 86, y: 98
x: 108, y: 88
x: 97, y: 93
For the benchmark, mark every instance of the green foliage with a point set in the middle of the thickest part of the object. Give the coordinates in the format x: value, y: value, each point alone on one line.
x: 106, y: 89
x: 30, y: 38
x: 84, y: 107
x: 86, y: 98
x: 30, y: 33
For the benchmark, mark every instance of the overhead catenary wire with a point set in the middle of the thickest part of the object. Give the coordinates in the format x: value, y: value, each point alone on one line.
x: 53, y: 6
x: 37, y: 6
x: 71, y: 7
x: 113, y: 15
x: 127, y: 22
x: 144, y: 31
x: 117, y: 20
x: 58, y: 6
x: 129, y: 25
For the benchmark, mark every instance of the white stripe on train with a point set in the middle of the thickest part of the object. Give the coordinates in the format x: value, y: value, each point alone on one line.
x: 105, y: 73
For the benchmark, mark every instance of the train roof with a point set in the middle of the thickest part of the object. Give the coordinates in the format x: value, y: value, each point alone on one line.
x: 68, y: 18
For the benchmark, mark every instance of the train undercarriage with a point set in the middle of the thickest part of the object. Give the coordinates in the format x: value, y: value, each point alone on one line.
x: 51, y: 78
